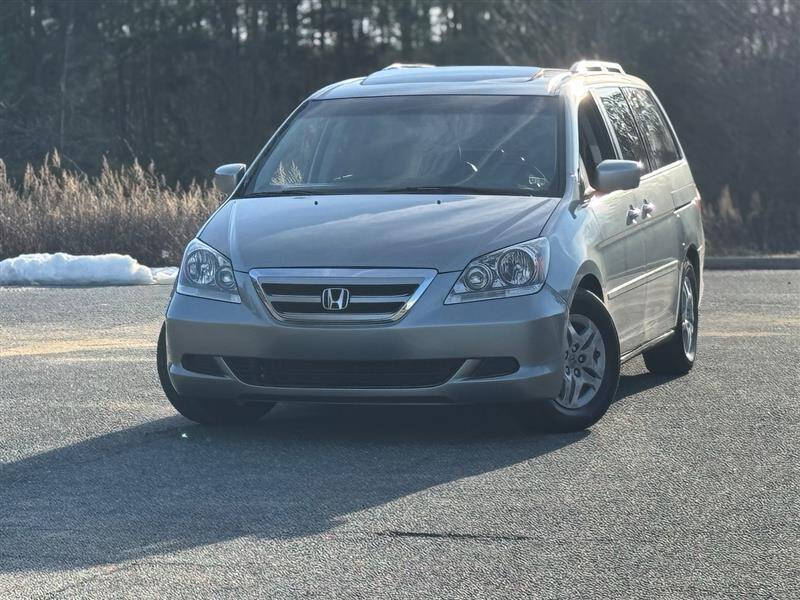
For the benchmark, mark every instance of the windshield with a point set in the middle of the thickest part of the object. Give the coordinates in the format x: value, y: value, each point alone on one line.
x: 417, y: 144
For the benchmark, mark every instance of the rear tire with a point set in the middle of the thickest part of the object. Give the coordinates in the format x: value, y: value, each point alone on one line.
x: 677, y: 355
x: 590, y: 363
x: 204, y: 410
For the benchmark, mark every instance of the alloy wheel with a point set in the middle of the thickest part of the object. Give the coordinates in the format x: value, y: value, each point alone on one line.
x: 688, y: 319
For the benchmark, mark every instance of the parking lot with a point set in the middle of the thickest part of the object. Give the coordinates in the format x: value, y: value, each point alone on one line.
x: 687, y: 488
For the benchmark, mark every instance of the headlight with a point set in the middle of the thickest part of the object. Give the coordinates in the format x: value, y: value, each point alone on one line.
x: 206, y: 273
x: 513, y: 271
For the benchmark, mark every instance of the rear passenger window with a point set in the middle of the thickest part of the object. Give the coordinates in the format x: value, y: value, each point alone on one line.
x: 653, y: 125
x: 619, y: 114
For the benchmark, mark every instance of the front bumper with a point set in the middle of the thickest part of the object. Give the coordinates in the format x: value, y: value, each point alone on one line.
x: 527, y: 328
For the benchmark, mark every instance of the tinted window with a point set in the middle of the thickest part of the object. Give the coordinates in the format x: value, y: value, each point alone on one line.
x: 653, y: 126
x: 619, y: 114
x: 500, y: 144
x: 595, y: 145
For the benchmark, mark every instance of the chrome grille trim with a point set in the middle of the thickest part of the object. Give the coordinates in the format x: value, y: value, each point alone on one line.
x: 333, y: 278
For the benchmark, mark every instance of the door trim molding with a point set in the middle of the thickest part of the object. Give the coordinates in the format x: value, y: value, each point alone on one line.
x: 643, y: 278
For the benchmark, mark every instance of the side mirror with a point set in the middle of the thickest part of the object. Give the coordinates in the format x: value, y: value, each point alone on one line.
x: 227, y: 177
x: 613, y: 175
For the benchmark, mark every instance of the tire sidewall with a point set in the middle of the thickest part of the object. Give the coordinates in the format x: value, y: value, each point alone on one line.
x: 587, y: 304
x: 687, y: 272
x: 161, y: 362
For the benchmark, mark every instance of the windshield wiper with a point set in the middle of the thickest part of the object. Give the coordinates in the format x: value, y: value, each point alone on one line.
x: 454, y: 189
x: 285, y: 192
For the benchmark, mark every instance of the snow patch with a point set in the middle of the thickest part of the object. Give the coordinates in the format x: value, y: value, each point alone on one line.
x: 164, y: 275
x: 66, y: 269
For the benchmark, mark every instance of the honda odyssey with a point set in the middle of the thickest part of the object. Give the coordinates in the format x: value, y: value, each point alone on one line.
x: 444, y: 235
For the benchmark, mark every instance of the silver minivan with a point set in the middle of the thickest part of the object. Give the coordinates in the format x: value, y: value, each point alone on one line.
x: 444, y: 235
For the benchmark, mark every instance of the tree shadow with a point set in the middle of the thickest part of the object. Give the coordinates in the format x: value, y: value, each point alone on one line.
x: 168, y: 485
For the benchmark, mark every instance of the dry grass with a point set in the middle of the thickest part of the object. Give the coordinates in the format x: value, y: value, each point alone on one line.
x: 130, y: 210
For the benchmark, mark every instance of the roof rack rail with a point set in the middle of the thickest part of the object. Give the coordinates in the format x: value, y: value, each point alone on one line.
x: 407, y: 66
x: 596, y: 66
x: 548, y: 72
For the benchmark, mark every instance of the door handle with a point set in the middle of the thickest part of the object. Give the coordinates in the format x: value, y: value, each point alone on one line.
x: 633, y: 214
x: 648, y: 208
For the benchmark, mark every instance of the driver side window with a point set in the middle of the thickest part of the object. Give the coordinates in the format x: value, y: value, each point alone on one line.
x: 595, y: 143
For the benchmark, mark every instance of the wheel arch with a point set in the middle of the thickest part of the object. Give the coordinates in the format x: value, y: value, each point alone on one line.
x: 590, y: 279
x: 693, y: 256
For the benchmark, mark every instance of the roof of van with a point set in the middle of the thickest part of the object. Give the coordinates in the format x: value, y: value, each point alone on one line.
x: 403, y: 79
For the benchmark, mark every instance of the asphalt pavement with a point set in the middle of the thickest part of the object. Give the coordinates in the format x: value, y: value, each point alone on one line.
x: 687, y: 488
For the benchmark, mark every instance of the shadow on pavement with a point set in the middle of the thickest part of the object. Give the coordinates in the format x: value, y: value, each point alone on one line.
x: 169, y: 485
x: 630, y: 385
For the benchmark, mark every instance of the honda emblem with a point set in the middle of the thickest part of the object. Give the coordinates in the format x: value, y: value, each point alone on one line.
x: 335, y: 298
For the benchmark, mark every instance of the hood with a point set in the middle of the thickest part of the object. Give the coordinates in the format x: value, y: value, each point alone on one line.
x: 410, y: 230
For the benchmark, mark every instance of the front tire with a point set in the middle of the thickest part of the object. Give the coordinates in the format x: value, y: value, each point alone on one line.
x: 677, y: 355
x: 203, y: 410
x: 591, y: 369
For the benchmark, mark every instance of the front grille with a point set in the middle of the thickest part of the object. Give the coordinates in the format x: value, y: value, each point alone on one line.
x: 343, y: 373
x: 373, y: 295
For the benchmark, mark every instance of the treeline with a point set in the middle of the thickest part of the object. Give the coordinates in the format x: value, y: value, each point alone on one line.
x: 191, y: 84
